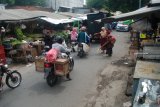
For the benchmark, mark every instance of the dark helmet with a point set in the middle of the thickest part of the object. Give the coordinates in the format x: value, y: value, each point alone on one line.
x: 59, y: 39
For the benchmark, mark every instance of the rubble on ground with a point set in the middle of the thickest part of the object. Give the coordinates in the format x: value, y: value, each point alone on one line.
x: 112, y: 85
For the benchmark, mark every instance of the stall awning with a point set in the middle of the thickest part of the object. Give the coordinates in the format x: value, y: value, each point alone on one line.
x: 56, y: 21
x: 62, y: 21
x: 140, y: 13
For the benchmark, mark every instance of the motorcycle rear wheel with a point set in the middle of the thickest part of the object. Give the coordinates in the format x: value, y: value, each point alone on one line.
x: 51, y: 79
x: 13, y: 79
x: 71, y: 64
x: 81, y: 54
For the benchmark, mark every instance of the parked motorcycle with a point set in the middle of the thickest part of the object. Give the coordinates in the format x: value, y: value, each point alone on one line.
x: 49, y: 69
x: 13, y: 78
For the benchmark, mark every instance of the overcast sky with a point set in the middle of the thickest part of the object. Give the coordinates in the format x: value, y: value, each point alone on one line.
x: 84, y: 1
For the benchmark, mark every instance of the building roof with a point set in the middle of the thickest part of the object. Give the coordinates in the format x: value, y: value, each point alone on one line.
x: 140, y: 13
x: 14, y: 15
x: 154, y: 3
x: 20, y: 14
x: 152, y: 8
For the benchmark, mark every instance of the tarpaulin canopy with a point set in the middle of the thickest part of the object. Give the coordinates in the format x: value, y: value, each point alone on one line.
x: 61, y: 21
x: 56, y: 21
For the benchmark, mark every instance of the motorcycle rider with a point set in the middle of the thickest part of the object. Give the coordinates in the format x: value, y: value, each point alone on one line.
x: 62, y: 49
x: 83, y: 36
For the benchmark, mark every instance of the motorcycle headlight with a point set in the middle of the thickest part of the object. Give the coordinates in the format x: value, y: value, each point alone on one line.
x: 6, y: 66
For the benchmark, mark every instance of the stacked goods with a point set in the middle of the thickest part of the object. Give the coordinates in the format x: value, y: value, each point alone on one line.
x: 61, y: 67
x: 39, y: 64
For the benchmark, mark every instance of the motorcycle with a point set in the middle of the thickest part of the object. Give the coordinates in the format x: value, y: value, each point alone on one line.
x: 73, y: 45
x: 83, y: 49
x: 45, y: 50
x: 49, y: 70
x: 13, y: 78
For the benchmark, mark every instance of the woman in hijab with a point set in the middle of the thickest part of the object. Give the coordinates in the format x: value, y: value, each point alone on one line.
x: 74, y: 35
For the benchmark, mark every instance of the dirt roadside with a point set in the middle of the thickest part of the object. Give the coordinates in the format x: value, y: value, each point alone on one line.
x: 111, y: 85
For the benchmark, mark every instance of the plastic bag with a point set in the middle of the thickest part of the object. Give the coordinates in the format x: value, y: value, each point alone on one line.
x: 52, y: 55
x: 85, y: 47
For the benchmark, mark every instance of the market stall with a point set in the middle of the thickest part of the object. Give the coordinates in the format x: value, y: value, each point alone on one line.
x: 21, y: 43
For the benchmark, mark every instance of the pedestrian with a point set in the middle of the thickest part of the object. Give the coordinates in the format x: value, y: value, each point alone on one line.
x: 110, y: 44
x: 103, y: 38
x: 74, y: 35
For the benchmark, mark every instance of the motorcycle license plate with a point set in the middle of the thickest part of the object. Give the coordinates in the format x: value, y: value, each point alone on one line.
x: 46, y: 72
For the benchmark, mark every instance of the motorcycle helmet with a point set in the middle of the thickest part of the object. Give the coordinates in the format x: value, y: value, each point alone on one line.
x: 59, y: 39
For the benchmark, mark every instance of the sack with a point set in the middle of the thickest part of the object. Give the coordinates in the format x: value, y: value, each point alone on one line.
x: 52, y: 55
x: 85, y: 47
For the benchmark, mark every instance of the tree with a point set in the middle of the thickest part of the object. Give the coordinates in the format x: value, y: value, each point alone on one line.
x: 30, y: 2
x: 98, y: 4
x: 9, y: 2
x: 24, y: 2
x: 116, y: 5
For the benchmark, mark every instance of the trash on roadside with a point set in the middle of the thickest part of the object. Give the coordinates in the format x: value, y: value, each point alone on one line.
x: 28, y: 65
x: 126, y: 63
x: 127, y: 104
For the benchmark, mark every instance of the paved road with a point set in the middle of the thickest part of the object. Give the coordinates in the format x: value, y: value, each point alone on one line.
x: 34, y: 92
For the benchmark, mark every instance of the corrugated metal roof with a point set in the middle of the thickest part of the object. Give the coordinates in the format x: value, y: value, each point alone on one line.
x: 154, y: 1
x: 140, y: 13
x: 20, y: 14
x: 17, y: 14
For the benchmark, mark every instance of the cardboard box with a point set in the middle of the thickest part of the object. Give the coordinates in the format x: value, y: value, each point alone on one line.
x: 34, y: 52
x: 39, y: 64
x: 61, y: 67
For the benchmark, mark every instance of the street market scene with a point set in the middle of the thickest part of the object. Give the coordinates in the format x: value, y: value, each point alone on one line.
x: 80, y: 53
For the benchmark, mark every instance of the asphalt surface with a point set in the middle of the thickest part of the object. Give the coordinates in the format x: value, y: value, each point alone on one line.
x: 34, y: 91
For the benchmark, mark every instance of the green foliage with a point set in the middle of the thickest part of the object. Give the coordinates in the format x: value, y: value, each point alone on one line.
x: 15, y: 42
x: 11, y: 2
x: 24, y: 2
x: 19, y: 33
x: 98, y: 4
x: 116, y: 5
x: 30, y: 2
x: 63, y: 34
